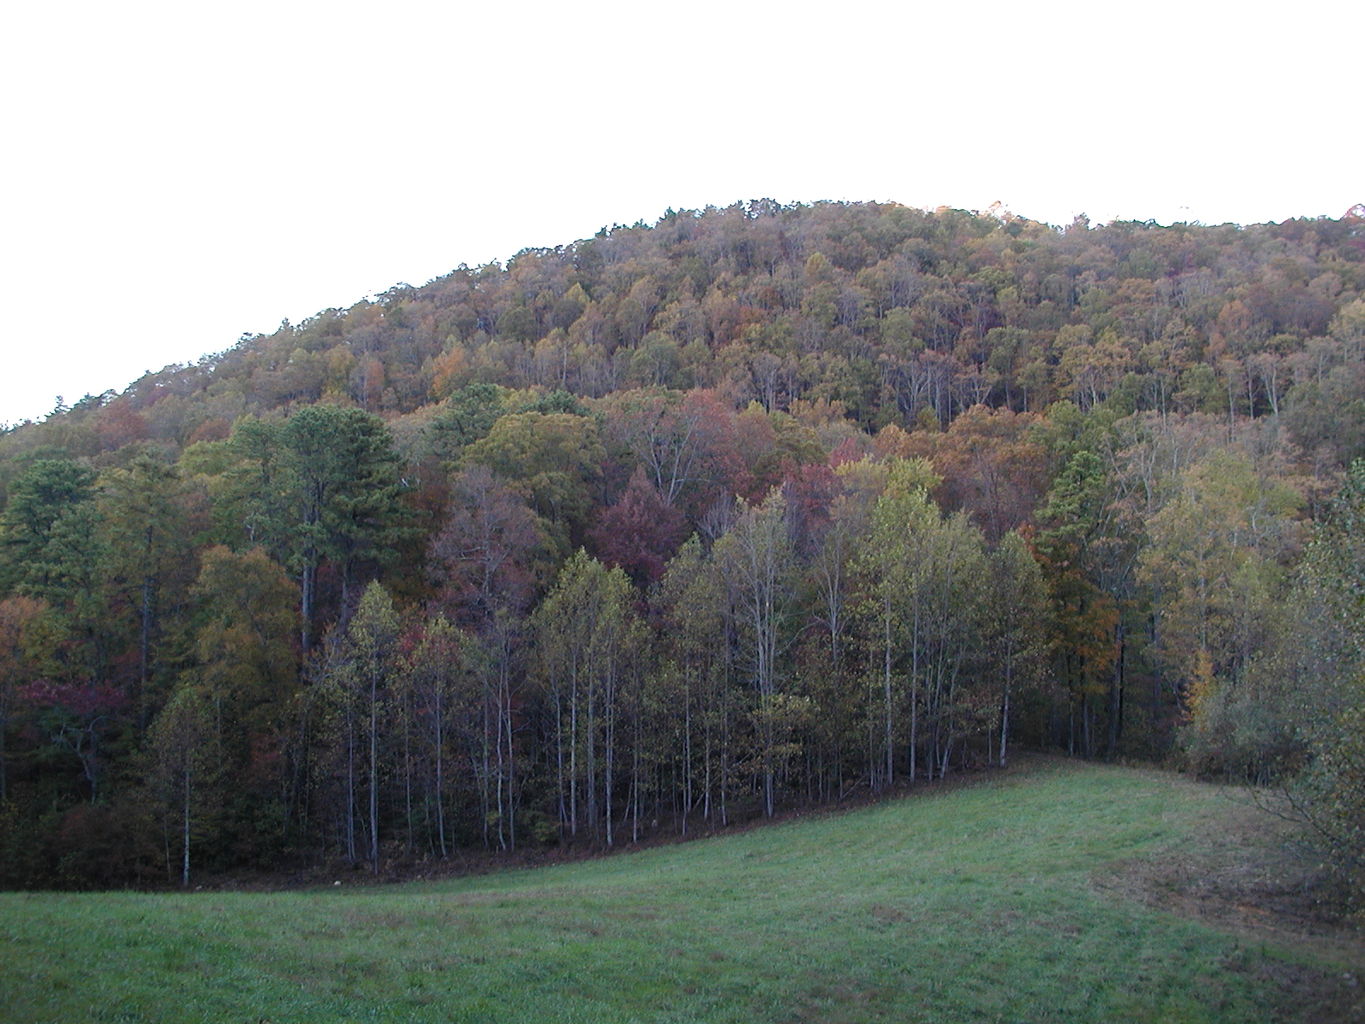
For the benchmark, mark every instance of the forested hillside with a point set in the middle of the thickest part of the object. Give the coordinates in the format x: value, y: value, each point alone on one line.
x: 684, y: 523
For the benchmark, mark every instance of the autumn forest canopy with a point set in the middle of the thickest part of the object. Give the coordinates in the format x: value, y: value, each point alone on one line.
x: 691, y: 523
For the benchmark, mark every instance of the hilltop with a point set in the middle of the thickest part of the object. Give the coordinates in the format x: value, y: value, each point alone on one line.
x: 885, y: 310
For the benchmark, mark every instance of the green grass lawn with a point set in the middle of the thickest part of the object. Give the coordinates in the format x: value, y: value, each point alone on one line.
x: 987, y: 902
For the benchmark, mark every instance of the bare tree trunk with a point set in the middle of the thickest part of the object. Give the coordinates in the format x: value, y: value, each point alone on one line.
x: 1085, y: 726
x: 145, y: 637
x: 687, y: 757
x: 706, y: 772
x: 307, y: 583
x: 407, y: 768
x: 886, y: 692
x: 485, y: 758
x: 350, y: 787
x: 725, y: 766
x: 510, y: 765
x: 559, y: 764
x: 185, y: 837
x: 1115, y: 723
x: 609, y: 712
x: 1005, y: 712
x: 914, y: 694
x: 635, y: 791
x: 573, y: 758
x: 374, y: 773
x: 440, y: 777
x: 500, y: 766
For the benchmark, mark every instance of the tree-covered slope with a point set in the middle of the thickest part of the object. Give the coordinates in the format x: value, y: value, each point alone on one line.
x: 749, y: 509
x: 885, y: 309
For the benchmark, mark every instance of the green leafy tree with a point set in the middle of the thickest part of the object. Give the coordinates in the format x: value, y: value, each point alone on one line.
x: 587, y: 632
x: 51, y: 549
x: 324, y: 486
x: 183, y: 771
x: 759, y: 565
x: 923, y: 578
x: 1214, y: 565
x: 828, y: 659
x: 145, y: 526
x: 1078, y: 539
x: 20, y: 629
x: 431, y: 675
x: 243, y: 640
x: 697, y: 665
x: 893, y: 566
x: 371, y: 642
x: 50, y: 507
x: 1018, y: 628
x: 551, y: 459
x: 467, y: 416
x: 1323, y: 690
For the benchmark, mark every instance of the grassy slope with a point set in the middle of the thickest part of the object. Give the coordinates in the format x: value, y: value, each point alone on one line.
x: 985, y: 903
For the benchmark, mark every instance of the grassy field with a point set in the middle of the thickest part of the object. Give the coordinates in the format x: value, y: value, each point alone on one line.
x: 1057, y: 892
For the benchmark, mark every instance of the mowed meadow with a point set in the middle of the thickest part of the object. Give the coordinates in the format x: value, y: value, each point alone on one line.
x: 1057, y: 891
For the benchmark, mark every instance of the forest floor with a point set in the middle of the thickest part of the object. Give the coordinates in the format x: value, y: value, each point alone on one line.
x: 398, y: 866
x: 1056, y: 891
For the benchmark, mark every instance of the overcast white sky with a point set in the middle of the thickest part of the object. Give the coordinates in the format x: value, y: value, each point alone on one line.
x: 178, y: 174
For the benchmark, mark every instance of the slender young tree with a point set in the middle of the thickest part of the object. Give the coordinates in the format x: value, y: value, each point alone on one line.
x: 372, y: 637
x: 182, y: 769
x: 586, y: 630
x: 431, y: 674
x: 759, y: 565
x: 1018, y: 629
x: 893, y: 567
x: 691, y: 603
